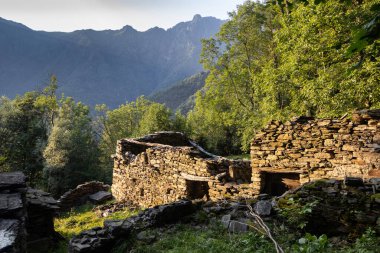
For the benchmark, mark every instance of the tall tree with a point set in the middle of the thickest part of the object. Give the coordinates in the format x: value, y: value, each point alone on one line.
x: 71, y: 153
x: 240, y: 59
x: 279, y: 59
x: 24, y: 129
x: 313, y: 41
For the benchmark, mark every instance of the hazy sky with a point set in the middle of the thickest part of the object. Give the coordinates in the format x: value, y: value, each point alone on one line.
x: 69, y: 15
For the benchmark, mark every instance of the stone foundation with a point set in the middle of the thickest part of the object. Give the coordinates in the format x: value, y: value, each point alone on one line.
x: 285, y: 155
x: 166, y: 167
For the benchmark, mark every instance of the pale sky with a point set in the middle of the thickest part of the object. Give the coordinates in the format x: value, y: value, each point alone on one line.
x: 69, y: 15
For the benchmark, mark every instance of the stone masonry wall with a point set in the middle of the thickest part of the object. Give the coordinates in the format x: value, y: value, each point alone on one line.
x: 12, y: 212
x: 26, y: 215
x: 80, y: 194
x: 166, y: 166
x: 318, y: 148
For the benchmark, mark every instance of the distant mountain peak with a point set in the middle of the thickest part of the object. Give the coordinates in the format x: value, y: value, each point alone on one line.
x: 128, y: 28
x: 197, y: 17
x: 156, y: 29
x: 14, y: 24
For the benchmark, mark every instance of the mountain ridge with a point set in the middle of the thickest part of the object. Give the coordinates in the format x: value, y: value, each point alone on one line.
x: 108, y: 66
x: 181, y: 95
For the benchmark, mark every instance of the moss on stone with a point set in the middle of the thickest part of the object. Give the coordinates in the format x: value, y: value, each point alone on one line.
x: 375, y: 196
x: 317, y: 184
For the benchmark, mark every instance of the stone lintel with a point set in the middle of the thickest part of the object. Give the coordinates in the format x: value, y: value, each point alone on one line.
x: 195, y: 178
x: 277, y: 170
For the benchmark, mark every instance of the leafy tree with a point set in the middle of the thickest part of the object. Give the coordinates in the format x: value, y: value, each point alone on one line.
x: 279, y: 59
x: 129, y: 120
x: 71, y: 153
x: 313, y: 41
x: 155, y: 117
x: 24, y: 129
x: 241, y: 85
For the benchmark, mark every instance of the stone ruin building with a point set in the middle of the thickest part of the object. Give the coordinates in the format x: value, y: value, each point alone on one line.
x: 166, y: 166
x: 286, y: 155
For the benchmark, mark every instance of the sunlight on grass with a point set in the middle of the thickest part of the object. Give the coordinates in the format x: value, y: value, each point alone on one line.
x: 83, y: 218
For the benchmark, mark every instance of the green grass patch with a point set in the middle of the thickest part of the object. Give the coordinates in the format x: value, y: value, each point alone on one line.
x: 83, y: 218
x: 215, y: 239
x: 211, y: 239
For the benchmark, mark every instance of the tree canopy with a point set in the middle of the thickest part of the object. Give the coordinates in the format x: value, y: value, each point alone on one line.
x: 279, y: 59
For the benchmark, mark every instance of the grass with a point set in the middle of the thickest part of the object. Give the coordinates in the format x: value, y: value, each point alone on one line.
x: 79, y: 219
x: 211, y: 239
x: 83, y: 218
x: 214, y: 239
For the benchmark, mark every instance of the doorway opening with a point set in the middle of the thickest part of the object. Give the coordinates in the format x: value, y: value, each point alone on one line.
x: 276, y: 184
x: 197, y: 189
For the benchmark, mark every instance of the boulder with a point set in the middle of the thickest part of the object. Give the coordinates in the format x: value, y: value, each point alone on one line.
x: 226, y: 220
x: 9, y: 235
x: 238, y: 226
x: 263, y: 207
x: 10, y: 204
x: 12, y: 180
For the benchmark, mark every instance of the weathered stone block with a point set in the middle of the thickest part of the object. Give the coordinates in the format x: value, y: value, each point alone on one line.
x: 10, y: 233
x: 263, y: 207
x: 12, y: 180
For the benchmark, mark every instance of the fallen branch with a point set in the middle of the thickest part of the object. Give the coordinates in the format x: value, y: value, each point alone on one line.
x: 265, y: 228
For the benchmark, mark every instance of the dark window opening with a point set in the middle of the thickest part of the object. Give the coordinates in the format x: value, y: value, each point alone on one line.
x: 276, y: 184
x: 141, y: 192
x: 197, y: 189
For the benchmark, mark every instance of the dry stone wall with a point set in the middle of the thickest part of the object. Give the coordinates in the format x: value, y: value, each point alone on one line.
x: 26, y: 215
x: 12, y: 212
x: 41, y: 210
x: 306, y: 149
x: 80, y: 194
x: 166, y: 166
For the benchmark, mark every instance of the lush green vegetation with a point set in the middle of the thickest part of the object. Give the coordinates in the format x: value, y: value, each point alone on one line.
x: 286, y: 58
x: 84, y: 218
x: 215, y: 238
x: 79, y: 219
x: 209, y: 239
x: 58, y: 144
